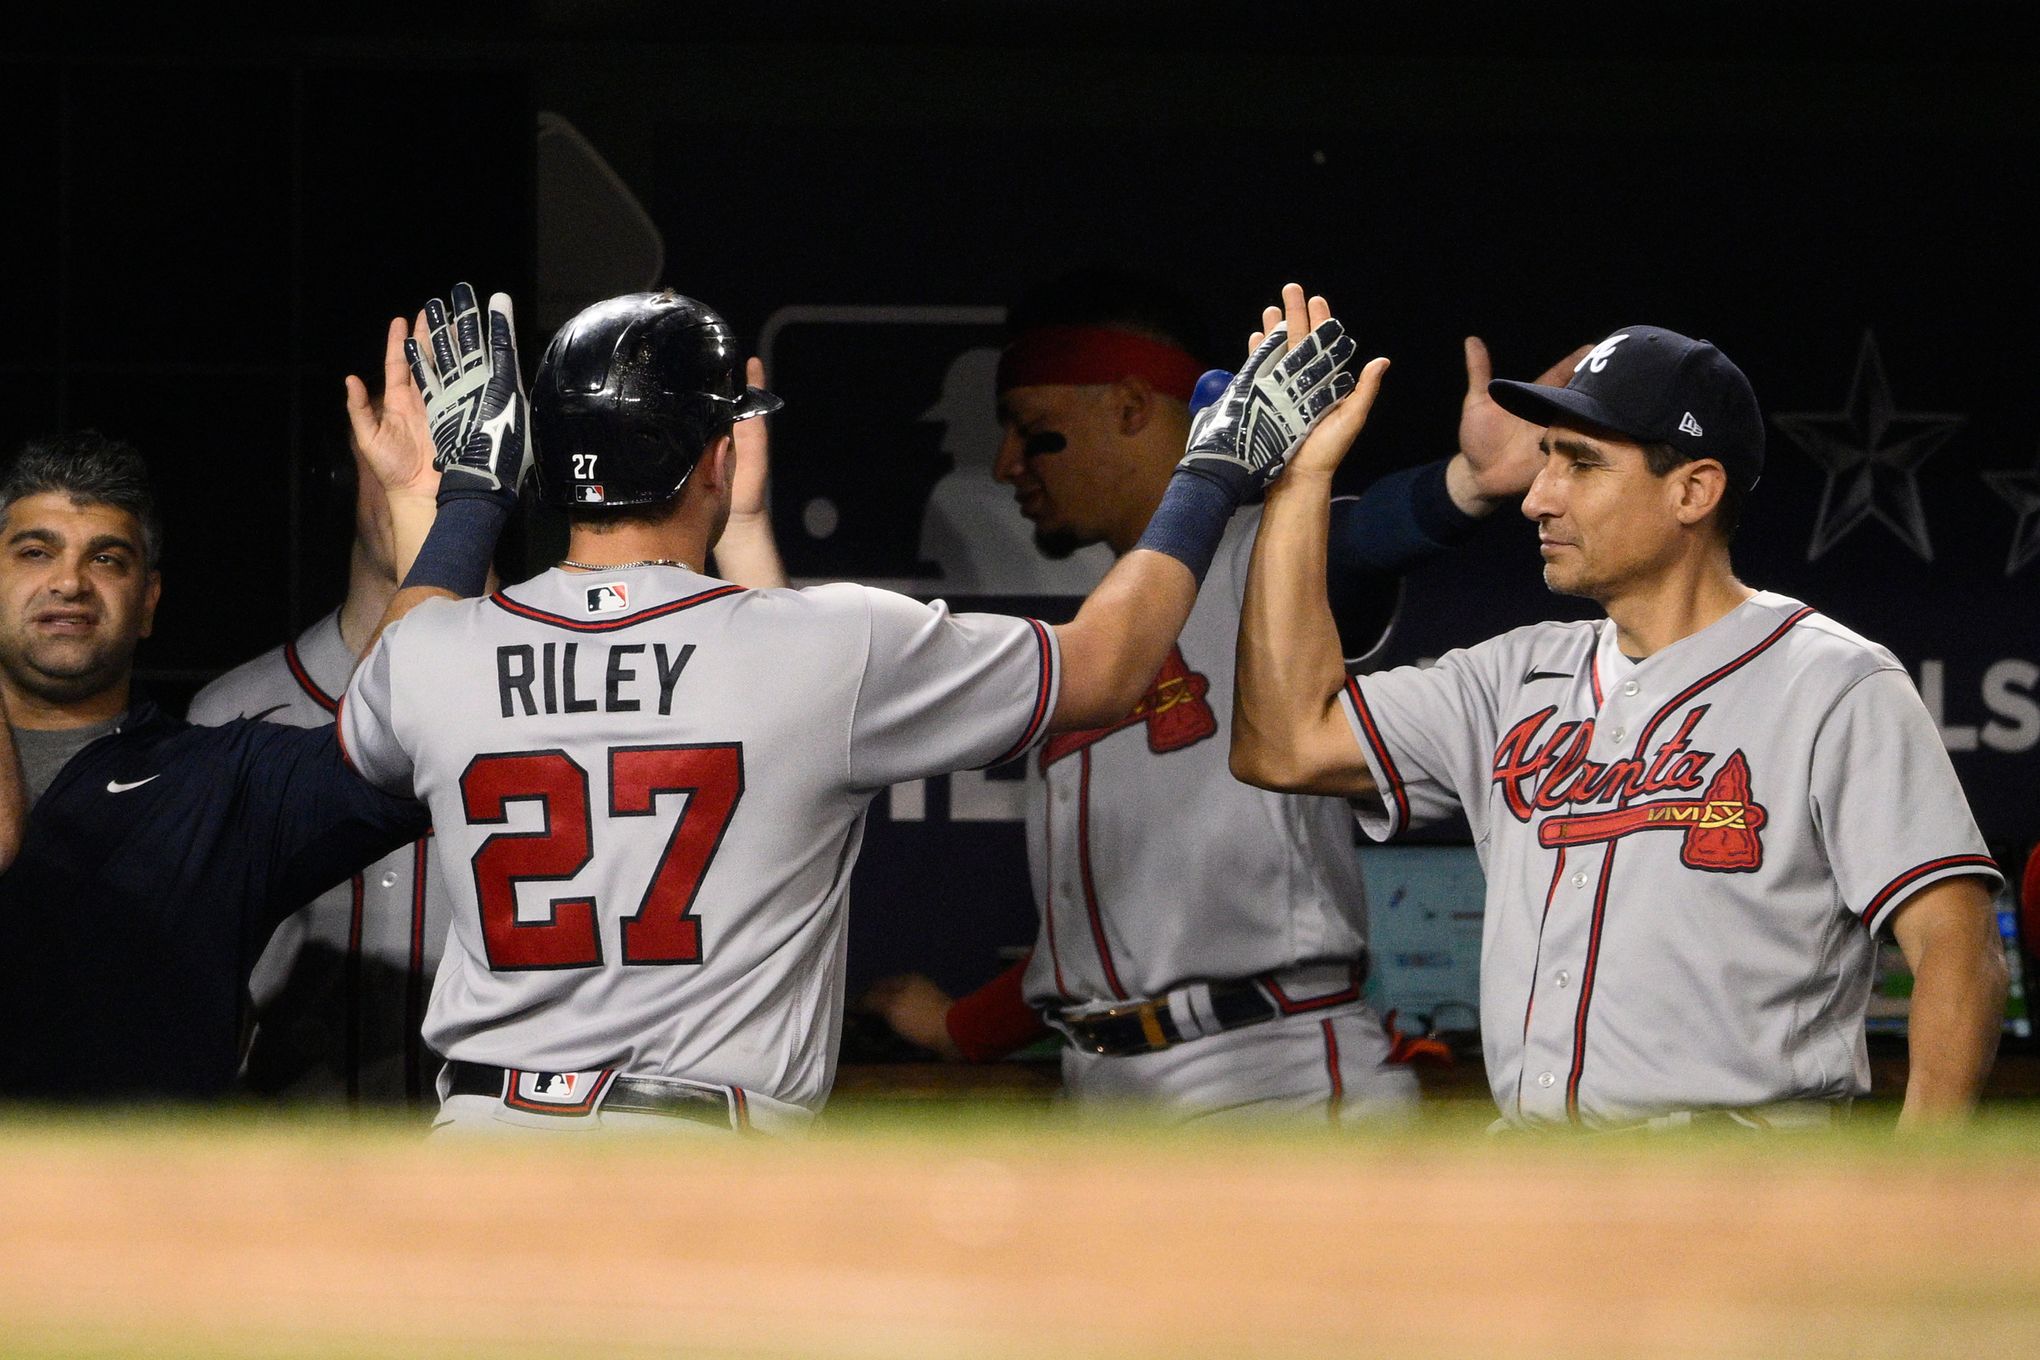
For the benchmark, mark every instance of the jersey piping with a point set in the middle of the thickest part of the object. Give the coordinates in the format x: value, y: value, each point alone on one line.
x: 1042, y: 676
x: 305, y: 681
x: 1400, y: 800
x: 1893, y: 892
x: 1084, y: 872
x: 525, y: 611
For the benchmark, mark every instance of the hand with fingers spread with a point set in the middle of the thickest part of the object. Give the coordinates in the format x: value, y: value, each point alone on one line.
x: 394, y: 436
x: 1498, y: 454
x: 474, y: 397
x: 1243, y: 439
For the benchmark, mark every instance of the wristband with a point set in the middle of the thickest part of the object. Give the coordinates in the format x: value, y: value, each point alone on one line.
x: 1191, y: 519
x: 457, y: 551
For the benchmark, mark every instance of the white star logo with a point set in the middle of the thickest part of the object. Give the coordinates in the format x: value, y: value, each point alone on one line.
x: 2021, y: 491
x: 1872, y: 452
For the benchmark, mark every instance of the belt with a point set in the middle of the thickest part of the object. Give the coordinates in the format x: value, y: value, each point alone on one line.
x: 697, y: 1102
x: 1204, y: 1008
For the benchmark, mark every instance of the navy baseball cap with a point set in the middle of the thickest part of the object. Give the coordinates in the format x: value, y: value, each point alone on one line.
x: 1656, y: 387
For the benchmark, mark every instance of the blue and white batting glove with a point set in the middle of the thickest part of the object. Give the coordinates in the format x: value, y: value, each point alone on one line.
x: 1243, y: 440
x: 474, y: 399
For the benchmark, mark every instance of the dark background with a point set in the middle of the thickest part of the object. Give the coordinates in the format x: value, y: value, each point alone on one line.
x: 208, y: 228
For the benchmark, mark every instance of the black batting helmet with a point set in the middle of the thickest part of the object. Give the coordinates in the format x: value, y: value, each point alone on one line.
x: 629, y: 395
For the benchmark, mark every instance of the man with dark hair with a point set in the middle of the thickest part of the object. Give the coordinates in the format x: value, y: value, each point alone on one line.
x: 1695, y: 814
x: 656, y: 801
x: 156, y: 857
x: 1202, y: 945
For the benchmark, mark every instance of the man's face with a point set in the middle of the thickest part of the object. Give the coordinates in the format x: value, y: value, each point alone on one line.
x: 75, y: 596
x: 1605, y: 523
x: 1061, y: 450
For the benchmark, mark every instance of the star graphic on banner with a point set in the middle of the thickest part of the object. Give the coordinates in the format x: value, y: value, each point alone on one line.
x: 2021, y: 491
x: 1872, y: 452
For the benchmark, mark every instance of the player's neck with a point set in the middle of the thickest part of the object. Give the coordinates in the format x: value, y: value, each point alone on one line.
x: 369, y: 589
x: 668, y: 542
x: 1676, y: 604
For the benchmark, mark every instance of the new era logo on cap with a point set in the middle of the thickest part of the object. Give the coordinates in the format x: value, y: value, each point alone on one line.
x: 1653, y: 386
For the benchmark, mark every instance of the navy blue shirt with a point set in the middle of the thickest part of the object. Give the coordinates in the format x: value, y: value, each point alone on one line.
x: 152, y: 873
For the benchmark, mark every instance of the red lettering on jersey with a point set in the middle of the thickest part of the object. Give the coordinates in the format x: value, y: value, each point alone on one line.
x: 1174, y: 708
x: 1537, y: 774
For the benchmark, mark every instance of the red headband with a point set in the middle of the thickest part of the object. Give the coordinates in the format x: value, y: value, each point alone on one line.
x: 1082, y: 356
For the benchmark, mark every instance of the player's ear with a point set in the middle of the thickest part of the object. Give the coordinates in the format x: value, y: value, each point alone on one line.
x: 1698, y: 486
x: 151, y: 595
x: 1134, y: 405
x: 718, y: 464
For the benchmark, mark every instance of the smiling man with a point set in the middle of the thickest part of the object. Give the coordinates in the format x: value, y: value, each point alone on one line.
x: 155, y: 857
x: 1695, y: 814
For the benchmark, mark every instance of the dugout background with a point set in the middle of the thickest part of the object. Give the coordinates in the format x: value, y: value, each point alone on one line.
x: 208, y: 227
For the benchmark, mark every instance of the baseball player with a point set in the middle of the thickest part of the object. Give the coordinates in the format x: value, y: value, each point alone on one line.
x: 651, y: 808
x: 1208, y: 965
x: 1695, y: 813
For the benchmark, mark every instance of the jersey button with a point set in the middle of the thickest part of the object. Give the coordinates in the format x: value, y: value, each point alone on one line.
x: 389, y: 878
x: 1579, y: 880
x: 1621, y: 732
x: 1545, y: 1079
x: 1630, y: 687
x: 1561, y: 978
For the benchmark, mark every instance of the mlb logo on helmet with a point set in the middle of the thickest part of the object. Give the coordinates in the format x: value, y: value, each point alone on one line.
x: 589, y: 493
x: 611, y: 597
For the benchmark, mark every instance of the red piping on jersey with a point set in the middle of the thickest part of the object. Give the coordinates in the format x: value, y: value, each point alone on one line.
x: 743, y: 1104
x: 351, y: 1016
x: 1048, y: 901
x: 304, y: 679
x: 414, y: 979
x: 525, y: 611
x: 1579, y: 1040
x: 1537, y: 960
x: 1594, y: 674
x: 1332, y: 1067
x: 1395, y: 784
x: 1678, y: 701
x: 1891, y: 890
x: 1040, y: 714
x: 1310, y: 1003
x: 1084, y: 872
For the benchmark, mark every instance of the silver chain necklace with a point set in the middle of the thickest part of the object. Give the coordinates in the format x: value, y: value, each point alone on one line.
x: 625, y: 566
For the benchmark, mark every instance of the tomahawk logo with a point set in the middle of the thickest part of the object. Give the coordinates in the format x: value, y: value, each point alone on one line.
x: 1597, y: 358
x: 1539, y: 774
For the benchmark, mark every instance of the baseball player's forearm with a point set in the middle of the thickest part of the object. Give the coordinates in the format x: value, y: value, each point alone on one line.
x: 1119, y: 639
x: 1287, y: 731
x: 748, y: 554
x: 1959, y: 982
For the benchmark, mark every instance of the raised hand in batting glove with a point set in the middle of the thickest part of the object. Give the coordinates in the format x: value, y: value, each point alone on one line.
x: 474, y: 398
x: 1243, y: 439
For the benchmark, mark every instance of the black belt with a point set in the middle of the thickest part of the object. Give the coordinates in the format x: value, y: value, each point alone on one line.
x: 1149, y: 1026
x: 625, y: 1095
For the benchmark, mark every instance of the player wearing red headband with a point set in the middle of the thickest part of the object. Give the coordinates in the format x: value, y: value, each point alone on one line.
x: 1202, y: 944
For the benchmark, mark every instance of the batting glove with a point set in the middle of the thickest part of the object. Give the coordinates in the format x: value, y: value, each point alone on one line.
x: 1244, y: 439
x: 474, y: 398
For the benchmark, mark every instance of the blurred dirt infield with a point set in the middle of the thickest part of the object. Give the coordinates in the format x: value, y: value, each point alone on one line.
x: 1004, y: 1239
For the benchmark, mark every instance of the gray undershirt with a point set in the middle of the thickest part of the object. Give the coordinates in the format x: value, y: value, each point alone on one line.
x: 43, y: 754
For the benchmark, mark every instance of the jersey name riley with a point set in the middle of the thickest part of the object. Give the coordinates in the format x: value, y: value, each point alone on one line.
x: 623, y: 677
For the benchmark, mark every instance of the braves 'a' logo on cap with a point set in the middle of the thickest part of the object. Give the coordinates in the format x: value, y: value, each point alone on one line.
x: 611, y: 597
x: 1597, y: 358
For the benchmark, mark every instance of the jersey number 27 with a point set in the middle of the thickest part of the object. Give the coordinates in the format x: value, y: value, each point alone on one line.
x: 663, y: 929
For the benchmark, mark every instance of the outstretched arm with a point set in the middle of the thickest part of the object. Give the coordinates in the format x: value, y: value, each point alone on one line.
x: 1288, y: 732
x: 1498, y: 454
x: 1951, y: 943
x: 747, y: 553
x: 1238, y: 444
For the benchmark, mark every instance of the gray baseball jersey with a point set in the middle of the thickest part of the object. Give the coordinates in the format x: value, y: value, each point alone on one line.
x: 648, y: 789
x: 1154, y: 868
x: 339, y: 994
x: 1687, y: 857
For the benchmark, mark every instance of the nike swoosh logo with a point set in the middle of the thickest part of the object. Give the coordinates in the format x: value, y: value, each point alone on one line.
x: 273, y: 708
x: 1529, y: 676
x: 115, y: 786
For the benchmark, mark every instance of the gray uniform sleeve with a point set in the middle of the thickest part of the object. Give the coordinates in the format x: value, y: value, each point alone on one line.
x: 944, y: 692
x: 1892, y: 817
x: 367, y: 722
x: 1428, y: 733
